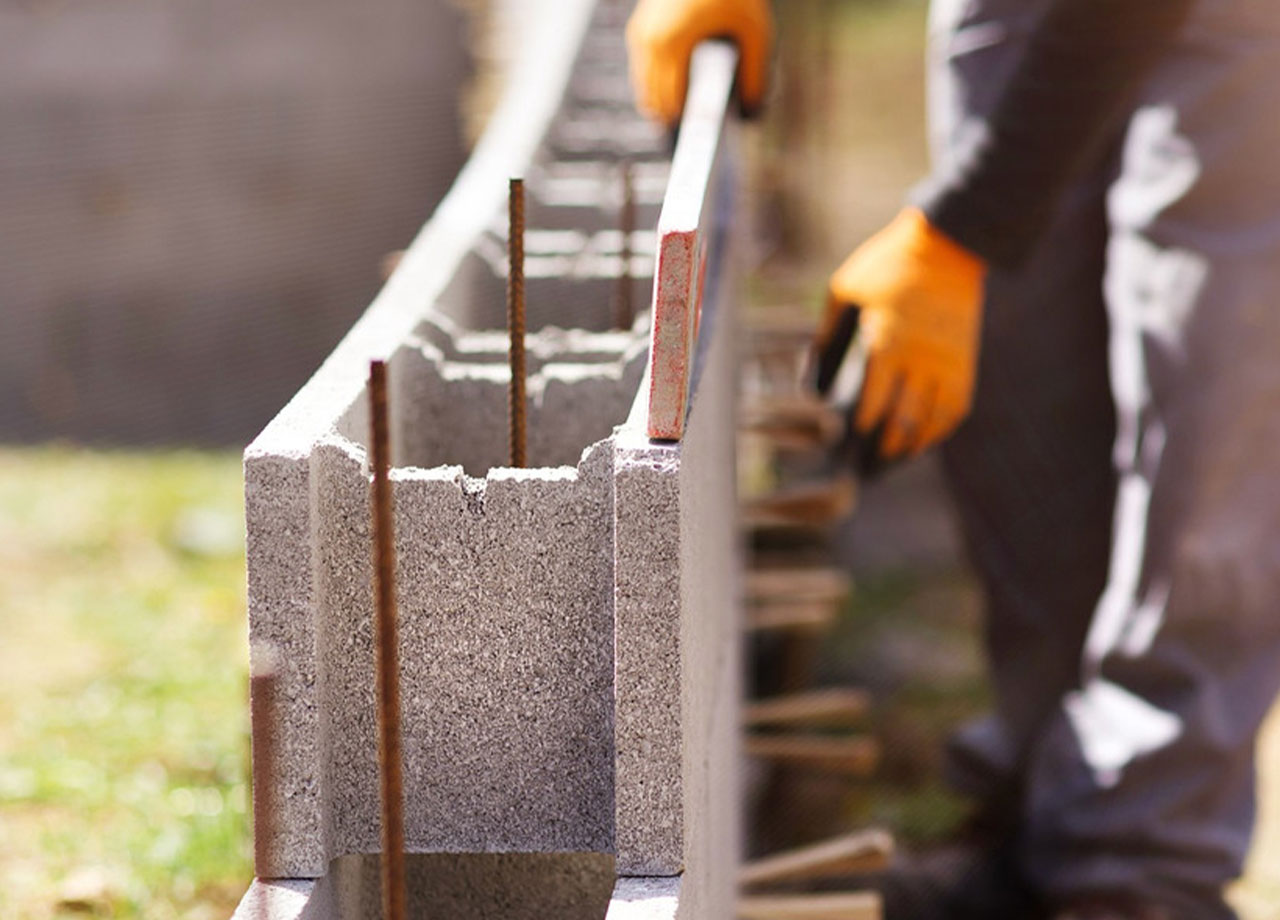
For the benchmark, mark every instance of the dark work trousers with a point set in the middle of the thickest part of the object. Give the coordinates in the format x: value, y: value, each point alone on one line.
x: 1118, y: 480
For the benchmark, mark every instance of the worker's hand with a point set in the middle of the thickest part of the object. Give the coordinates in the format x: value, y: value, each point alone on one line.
x: 920, y: 296
x: 661, y: 36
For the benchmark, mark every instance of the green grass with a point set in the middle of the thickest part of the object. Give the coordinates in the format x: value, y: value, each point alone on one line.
x: 123, y: 716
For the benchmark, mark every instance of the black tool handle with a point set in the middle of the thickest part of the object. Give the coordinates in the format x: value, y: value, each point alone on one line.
x: 859, y: 450
x: 831, y: 354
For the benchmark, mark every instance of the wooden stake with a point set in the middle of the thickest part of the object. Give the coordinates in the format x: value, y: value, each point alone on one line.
x: 812, y: 504
x: 850, y: 854
x: 851, y: 905
x: 856, y: 756
x: 515, y: 320
x: 799, y: 615
x: 624, y: 314
x: 795, y: 583
x: 832, y: 706
x: 390, y: 763
x: 262, y: 709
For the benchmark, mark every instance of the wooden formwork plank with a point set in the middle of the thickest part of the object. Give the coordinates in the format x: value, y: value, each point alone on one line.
x: 813, y: 583
x: 803, y: 615
x: 848, y: 905
x: 855, y: 755
x: 818, y: 503
x: 796, y: 421
x: 829, y: 706
x: 849, y: 854
x: 785, y: 326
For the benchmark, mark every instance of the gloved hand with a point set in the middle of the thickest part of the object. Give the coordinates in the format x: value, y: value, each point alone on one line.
x: 920, y: 296
x: 661, y: 36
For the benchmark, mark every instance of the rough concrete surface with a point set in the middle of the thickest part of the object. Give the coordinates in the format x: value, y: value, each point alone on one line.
x: 506, y: 637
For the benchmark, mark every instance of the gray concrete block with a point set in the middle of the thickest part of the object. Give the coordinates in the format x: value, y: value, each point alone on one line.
x: 505, y: 597
x: 676, y: 609
x: 569, y: 633
x: 282, y: 635
x: 677, y: 654
x: 647, y: 659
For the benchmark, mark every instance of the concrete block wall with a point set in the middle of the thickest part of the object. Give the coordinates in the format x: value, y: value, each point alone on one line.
x: 568, y: 631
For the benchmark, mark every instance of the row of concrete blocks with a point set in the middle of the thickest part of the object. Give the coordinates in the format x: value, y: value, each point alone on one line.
x: 569, y: 660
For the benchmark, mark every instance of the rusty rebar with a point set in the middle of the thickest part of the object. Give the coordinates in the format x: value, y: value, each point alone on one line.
x: 387, y: 666
x: 623, y: 314
x: 262, y: 727
x: 516, y: 407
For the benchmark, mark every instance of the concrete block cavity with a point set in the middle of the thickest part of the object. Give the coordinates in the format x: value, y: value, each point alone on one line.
x: 481, y: 886
x: 589, y: 193
x: 457, y: 886
x: 450, y: 396
x: 571, y: 276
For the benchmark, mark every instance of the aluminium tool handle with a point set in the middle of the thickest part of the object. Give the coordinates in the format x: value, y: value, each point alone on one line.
x: 839, y: 367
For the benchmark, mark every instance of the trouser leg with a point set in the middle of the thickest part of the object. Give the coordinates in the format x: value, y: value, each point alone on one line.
x: 1030, y: 470
x: 1142, y: 782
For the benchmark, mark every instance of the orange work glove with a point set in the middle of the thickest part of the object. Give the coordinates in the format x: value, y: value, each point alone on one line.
x: 920, y: 296
x: 661, y: 36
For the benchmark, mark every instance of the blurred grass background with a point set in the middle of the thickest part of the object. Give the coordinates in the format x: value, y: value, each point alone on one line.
x: 123, y: 676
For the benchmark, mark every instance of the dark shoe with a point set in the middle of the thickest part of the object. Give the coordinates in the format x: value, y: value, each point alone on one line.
x: 958, y: 883
x: 1113, y: 909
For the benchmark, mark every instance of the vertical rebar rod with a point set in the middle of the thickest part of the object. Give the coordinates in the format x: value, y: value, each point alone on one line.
x: 390, y: 763
x: 262, y: 722
x: 516, y: 407
x: 624, y: 315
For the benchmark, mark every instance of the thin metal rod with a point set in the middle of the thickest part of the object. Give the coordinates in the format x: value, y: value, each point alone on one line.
x: 516, y: 406
x: 390, y: 763
x: 262, y: 721
x: 624, y: 315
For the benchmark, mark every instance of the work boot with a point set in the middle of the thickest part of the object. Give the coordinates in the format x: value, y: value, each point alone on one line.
x: 1113, y: 908
x: 958, y: 883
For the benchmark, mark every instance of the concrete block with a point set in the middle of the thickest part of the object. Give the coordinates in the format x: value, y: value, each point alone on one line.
x: 506, y: 593
x: 569, y: 632
x: 677, y: 654
x: 282, y: 630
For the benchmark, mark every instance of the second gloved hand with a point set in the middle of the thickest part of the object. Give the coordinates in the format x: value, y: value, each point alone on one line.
x: 920, y: 296
x: 661, y: 36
